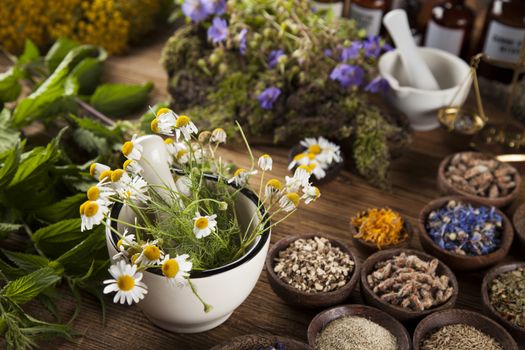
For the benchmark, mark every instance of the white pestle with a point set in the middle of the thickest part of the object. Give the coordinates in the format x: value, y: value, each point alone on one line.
x: 419, y: 74
x: 155, y: 162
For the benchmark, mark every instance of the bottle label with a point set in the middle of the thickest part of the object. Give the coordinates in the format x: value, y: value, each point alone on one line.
x: 444, y: 38
x: 504, y: 42
x: 368, y: 19
x: 336, y: 7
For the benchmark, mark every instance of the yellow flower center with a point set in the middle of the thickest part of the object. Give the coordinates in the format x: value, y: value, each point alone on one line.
x: 134, y: 258
x: 163, y: 110
x: 306, y: 168
x: 127, y: 163
x: 310, y: 156
x: 93, y: 193
x: 170, y: 268
x: 152, y: 252
x: 265, y: 156
x: 127, y: 194
x: 125, y: 283
x: 239, y: 172
x: 312, y: 166
x: 116, y: 175
x: 294, y: 198
x: 168, y: 141
x: 299, y: 156
x: 106, y: 174
x: 155, y: 125
x: 90, y: 208
x: 201, y: 223
x: 120, y: 243
x: 82, y: 208
x: 275, y: 184
x: 315, y: 149
x: 92, y: 169
x: 218, y: 131
x: 127, y: 147
x: 181, y: 153
x: 182, y: 120
x: 317, y: 192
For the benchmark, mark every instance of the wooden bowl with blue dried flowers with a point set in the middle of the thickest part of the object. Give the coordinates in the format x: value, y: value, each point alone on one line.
x: 464, y: 233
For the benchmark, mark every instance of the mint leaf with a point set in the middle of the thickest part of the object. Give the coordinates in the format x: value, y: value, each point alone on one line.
x: 6, y: 228
x: 10, y: 87
x: 88, y: 73
x: 119, y: 99
x: 27, y: 262
x: 10, y: 166
x: 58, y: 51
x: 59, y: 237
x: 67, y: 208
x: 27, y: 287
x: 30, y: 54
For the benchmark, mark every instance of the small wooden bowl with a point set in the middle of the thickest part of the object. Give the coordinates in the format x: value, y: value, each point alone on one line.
x: 447, y: 188
x: 331, y: 173
x: 443, y: 318
x: 370, y: 247
x: 517, y: 332
x: 399, y: 312
x: 463, y: 262
x: 383, y: 319
x: 518, y: 220
x: 298, y: 298
x: 254, y: 341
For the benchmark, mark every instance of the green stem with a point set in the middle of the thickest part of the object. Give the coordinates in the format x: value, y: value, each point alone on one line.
x: 207, y: 307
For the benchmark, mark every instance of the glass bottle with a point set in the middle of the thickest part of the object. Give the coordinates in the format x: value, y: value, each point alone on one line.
x: 450, y: 27
x: 503, y: 37
x: 335, y: 5
x: 368, y: 14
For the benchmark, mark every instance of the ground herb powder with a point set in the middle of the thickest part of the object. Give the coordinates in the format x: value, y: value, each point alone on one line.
x: 459, y: 337
x: 355, y: 333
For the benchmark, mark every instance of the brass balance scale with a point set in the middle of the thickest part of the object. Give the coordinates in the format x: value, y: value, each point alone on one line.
x: 506, y: 141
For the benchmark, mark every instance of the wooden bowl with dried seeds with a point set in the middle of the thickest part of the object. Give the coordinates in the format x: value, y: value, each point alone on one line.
x: 480, y: 177
x: 503, y: 293
x: 402, y: 282
x: 470, y: 330
x: 312, y: 270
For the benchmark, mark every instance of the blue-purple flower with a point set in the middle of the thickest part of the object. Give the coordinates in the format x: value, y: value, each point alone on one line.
x: 243, y: 36
x: 268, y: 97
x: 218, y: 31
x: 214, y: 7
x: 378, y: 84
x: 372, y: 47
x: 387, y: 47
x: 273, y: 57
x: 328, y: 52
x: 195, y: 10
x: 348, y: 75
x: 351, y: 51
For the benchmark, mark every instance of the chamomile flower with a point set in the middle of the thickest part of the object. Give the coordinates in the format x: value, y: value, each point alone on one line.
x: 311, y: 193
x: 204, y: 225
x: 164, y: 122
x: 301, y: 159
x: 120, y: 178
x: 92, y: 213
x: 325, y: 151
x: 265, y: 162
x: 96, y: 169
x: 134, y: 190
x: 101, y: 191
x: 131, y: 149
x: 317, y: 170
x: 289, y: 201
x: 272, y: 190
x: 132, y: 167
x: 302, y: 174
x: 126, y: 241
x: 183, y: 184
x: 218, y: 135
x: 185, y: 127
x: 105, y: 175
x: 150, y: 255
x: 126, y: 282
x: 241, y: 176
x: 177, y: 269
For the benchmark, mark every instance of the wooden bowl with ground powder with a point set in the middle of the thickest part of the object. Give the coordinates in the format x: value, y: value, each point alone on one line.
x: 357, y: 327
x: 308, y: 298
x: 465, y: 330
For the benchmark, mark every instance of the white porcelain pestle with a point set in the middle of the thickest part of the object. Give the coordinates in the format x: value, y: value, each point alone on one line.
x: 155, y: 163
x: 417, y: 71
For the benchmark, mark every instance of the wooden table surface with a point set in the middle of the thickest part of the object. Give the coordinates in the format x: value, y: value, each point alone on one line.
x: 414, y: 184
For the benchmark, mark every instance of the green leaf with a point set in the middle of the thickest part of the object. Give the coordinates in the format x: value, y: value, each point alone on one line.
x: 10, y: 166
x: 9, y: 271
x: 67, y: 208
x: 88, y: 73
x: 27, y: 262
x: 97, y: 128
x: 37, y: 160
x: 10, y: 87
x: 120, y: 99
x: 58, y: 51
x: 59, y: 237
x: 90, y: 142
x: 27, y: 287
x: 30, y: 54
x: 77, y: 259
x: 6, y: 228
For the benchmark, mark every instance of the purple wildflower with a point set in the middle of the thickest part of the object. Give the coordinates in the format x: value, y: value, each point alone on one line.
x: 328, y: 53
x: 242, y: 41
x: 273, y: 57
x: 351, y: 51
x: 387, y: 47
x: 372, y: 47
x: 214, y: 7
x: 378, y: 84
x: 268, y: 97
x: 348, y: 75
x: 218, y: 30
x: 194, y: 9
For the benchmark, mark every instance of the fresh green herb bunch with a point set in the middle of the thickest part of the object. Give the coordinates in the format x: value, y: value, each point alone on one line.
x: 278, y: 67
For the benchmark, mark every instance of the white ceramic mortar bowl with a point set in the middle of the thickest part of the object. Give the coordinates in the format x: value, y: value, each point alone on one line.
x: 421, y: 106
x: 225, y: 288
